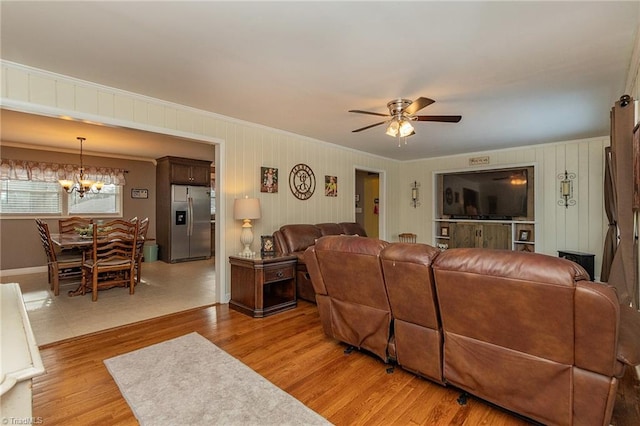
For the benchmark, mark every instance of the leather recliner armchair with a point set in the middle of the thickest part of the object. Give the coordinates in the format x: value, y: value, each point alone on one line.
x: 350, y: 292
x: 412, y: 296
x: 530, y: 333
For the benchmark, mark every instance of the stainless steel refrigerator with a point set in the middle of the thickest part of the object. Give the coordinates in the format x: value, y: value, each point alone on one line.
x: 190, y: 222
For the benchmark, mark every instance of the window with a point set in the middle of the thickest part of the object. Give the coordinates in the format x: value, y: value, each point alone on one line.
x: 106, y: 202
x: 29, y: 198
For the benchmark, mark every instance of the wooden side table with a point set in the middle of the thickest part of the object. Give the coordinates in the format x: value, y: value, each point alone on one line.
x: 263, y: 286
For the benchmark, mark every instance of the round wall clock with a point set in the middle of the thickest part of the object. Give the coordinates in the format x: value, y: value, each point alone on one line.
x: 302, y: 181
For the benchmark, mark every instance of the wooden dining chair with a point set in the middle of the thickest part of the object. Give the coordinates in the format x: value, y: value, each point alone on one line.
x: 111, y: 261
x: 59, y: 265
x: 407, y: 237
x: 143, y: 227
x: 69, y: 225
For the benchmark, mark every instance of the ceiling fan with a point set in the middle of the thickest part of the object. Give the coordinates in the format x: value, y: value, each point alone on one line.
x: 402, y: 113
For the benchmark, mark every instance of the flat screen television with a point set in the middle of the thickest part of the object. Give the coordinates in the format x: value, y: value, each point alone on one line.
x: 486, y: 194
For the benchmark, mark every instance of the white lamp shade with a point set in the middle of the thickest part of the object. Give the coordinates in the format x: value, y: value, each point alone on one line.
x: 246, y: 208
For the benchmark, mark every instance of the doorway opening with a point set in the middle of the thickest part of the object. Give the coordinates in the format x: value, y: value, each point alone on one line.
x: 369, y: 206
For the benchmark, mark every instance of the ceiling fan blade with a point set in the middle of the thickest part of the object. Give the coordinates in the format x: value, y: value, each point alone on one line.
x: 368, y: 127
x: 443, y: 118
x: 418, y: 104
x: 368, y: 112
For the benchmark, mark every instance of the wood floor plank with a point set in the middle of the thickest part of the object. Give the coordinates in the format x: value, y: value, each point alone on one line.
x: 291, y: 351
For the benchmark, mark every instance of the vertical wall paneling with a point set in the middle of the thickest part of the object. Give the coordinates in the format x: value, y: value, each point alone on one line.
x: 580, y: 227
x: 42, y: 90
x: 106, y: 104
x: 17, y: 84
x: 65, y: 95
x: 140, y: 113
x: 550, y: 193
x: 124, y: 108
x: 87, y: 100
x: 567, y: 227
x: 155, y: 115
x: 170, y: 118
x: 3, y: 80
x: 596, y: 210
x: 185, y: 121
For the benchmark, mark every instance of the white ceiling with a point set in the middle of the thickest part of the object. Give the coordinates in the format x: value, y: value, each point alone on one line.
x: 519, y: 73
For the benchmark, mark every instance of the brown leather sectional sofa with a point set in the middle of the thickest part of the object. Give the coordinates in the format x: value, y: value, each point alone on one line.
x: 295, y: 239
x: 525, y: 331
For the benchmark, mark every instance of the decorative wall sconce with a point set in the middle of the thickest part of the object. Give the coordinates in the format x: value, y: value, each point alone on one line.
x: 566, y: 189
x: 415, y: 196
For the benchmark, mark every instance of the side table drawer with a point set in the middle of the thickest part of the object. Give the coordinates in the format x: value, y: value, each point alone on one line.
x: 278, y: 274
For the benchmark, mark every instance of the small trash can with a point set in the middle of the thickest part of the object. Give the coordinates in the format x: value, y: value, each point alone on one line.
x: 150, y: 251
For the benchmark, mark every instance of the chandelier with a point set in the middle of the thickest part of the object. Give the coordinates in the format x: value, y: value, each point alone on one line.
x: 80, y: 183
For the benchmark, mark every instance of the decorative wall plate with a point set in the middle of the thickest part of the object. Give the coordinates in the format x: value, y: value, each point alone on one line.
x: 302, y: 181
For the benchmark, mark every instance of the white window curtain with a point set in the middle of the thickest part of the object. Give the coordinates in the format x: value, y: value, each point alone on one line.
x: 52, y: 172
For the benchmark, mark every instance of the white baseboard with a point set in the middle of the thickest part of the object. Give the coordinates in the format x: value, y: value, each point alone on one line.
x: 22, y: 271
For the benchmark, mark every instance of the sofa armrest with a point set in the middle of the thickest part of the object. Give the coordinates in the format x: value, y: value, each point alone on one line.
x: 313, y: 270
x: 629, y: 336
x: 279, y: 243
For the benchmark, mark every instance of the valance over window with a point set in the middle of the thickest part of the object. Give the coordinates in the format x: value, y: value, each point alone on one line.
x: 52, y: 172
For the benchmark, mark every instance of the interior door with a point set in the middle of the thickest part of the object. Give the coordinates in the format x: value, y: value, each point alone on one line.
x: 367, y: 202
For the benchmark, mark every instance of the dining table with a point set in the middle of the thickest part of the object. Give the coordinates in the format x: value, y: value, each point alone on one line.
x: 68, y: 241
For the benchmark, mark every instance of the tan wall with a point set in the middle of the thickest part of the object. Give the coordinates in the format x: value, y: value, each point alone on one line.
x: 20, y: 246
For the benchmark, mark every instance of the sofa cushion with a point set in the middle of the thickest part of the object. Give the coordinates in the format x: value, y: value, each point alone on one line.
x: 299, y: 237
x: 352, y: 228
x: 330, y: 229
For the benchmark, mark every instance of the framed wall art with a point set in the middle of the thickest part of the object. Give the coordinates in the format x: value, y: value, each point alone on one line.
x: 302, y: 181
x: 267, y: 246
x: 139, y: 193
x: 269, y: 179
x: 331, y: 186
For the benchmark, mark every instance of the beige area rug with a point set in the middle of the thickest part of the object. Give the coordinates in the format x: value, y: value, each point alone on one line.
x: 190, y: 381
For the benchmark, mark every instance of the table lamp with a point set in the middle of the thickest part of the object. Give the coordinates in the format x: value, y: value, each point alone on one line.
x: 246, y: 209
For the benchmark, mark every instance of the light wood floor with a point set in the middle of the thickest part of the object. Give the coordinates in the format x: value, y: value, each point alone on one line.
x: 290, y: 350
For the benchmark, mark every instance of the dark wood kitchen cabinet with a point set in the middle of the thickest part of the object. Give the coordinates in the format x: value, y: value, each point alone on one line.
x: 184, y: 171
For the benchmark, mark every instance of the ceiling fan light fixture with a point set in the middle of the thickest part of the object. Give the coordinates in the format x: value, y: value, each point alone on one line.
x: 401, y: 113
x: 393, y: 128
x: 406, y: 129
